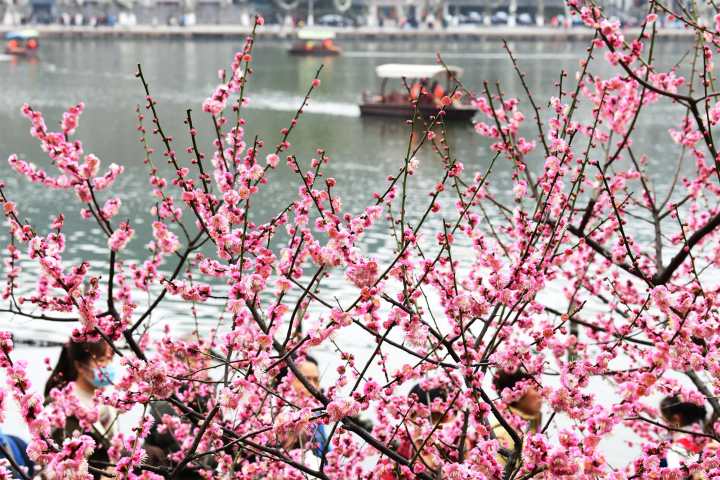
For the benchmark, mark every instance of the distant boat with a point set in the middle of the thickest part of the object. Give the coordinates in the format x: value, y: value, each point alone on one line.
x: 22, y: 43
x: 399, y: 103
x: 315, y: 42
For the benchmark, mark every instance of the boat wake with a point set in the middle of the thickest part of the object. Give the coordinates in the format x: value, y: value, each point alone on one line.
x: 283, y: 103
x: 71, y: 72
x: 267, y: 100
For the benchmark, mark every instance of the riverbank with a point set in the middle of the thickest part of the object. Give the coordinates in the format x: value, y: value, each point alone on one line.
x: 493, y: 33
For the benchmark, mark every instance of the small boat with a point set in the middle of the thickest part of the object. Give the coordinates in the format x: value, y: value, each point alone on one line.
x: 23, y: 43
x: 315, y: 42
x: 425, y: 87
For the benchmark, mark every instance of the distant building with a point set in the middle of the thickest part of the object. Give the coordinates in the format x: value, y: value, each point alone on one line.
x: 380, y: 13
x: 43, y: 11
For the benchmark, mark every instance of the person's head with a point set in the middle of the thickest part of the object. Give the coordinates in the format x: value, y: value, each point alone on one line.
x: 87, y: 363
x: 434, y: 399
x: 190, y: 351
x: 530, y: 402
x: 681, y: 414
x: 308, y: 368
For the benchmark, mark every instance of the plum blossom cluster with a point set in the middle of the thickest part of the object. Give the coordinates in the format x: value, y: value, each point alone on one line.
x: 464, y: 294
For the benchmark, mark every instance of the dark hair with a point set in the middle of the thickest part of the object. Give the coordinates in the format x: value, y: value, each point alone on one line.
x: 160, y: 445
x: 504, y: 380
x: 426, y: 397
x: 284, y: 370
x: 72, y: 352
x: 688, y: 412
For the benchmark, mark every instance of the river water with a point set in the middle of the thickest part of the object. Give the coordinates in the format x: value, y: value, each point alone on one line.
x: 182, y: 73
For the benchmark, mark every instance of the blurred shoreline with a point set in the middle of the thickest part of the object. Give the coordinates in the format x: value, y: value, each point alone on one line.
x: 475, y: 33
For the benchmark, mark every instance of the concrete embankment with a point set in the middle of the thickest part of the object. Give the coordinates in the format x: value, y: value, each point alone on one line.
x: 274, y: 32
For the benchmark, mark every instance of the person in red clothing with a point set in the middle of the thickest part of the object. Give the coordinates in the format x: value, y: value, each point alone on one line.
x: 415, y: 91
x: 429, y: 412
x: 684, y: 447
x: 434, y: 399
x: 438, y: 92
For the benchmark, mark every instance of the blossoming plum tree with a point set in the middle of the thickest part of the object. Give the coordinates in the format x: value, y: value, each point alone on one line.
x: 636, y: 306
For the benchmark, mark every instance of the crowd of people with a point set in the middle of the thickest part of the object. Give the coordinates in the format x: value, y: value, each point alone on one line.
x: 85, y: 369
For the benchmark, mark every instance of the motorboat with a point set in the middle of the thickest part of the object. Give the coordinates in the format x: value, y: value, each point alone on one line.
x: 427, y: 85
x: 315, y: 42
x: 22, y: 43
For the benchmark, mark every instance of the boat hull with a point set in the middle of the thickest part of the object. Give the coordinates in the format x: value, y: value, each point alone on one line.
x: 406, y: 111
x: 20, y: 52
x: 315, y: 52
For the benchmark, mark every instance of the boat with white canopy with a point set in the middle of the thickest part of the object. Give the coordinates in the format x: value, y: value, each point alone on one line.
x: 315, y: 41
x: 22, y: 43
x: 427, y: 84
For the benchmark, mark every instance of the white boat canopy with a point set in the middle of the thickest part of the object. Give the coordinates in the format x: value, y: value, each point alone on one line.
x: 405, y: 70
x: 315, y: 34
x: 22, y: 35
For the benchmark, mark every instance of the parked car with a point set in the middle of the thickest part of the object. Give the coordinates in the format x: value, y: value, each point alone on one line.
x: 499, y: 18
x: 334, y: 20
x: 410, y: 23
x: 525, y: 19
x: 471, y: 19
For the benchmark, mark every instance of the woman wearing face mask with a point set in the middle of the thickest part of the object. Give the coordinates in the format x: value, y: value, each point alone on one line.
x: 82, y: 369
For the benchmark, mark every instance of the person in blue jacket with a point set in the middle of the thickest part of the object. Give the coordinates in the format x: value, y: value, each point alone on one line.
x: 14, y: 450
x: 308, y: 367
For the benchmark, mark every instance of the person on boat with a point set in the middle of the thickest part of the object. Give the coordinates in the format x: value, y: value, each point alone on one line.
x: 394, y: 97
x: 426, y: 97
x: 415, y: 91
x: 328, y: 44
x: 523, y: 414
x: 419, y: 91
x: 438, y: 92
x: 680, y: 415
x: 83, y: 370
